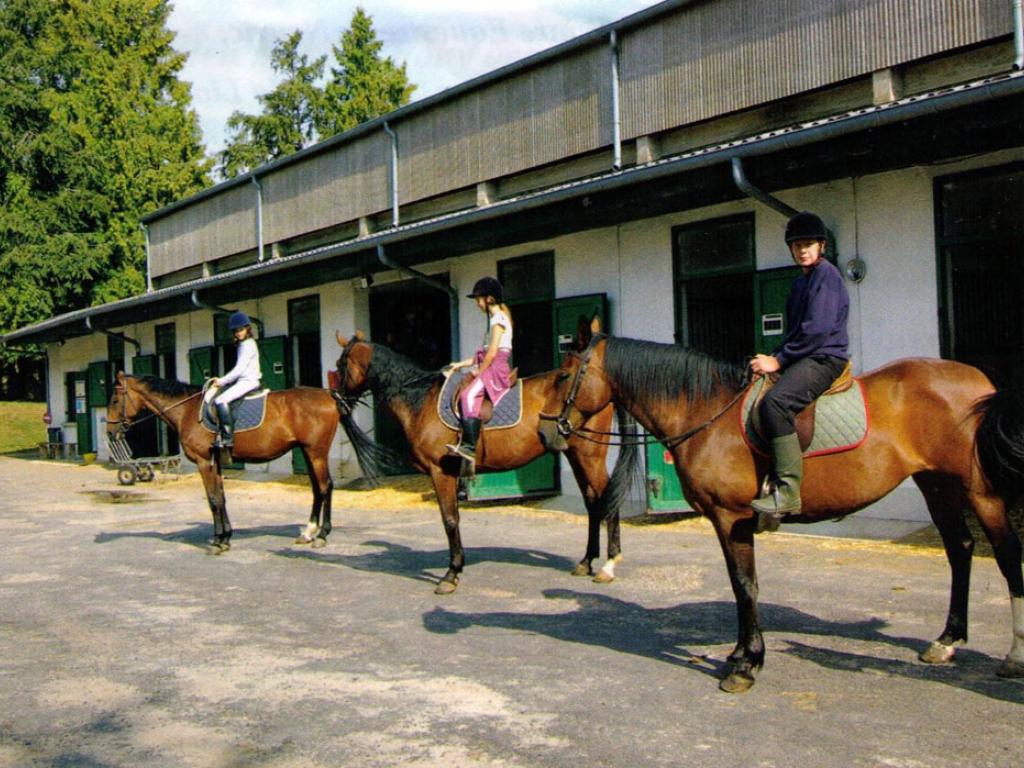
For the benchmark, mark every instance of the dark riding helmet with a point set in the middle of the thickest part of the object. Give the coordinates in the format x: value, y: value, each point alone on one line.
x: 805, y: 226
x: 487, y: 286
x: 238, y: 320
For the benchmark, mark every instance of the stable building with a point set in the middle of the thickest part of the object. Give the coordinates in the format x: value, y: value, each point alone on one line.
x: 643, y: 171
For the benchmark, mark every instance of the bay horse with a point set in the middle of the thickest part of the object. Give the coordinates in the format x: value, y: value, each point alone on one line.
x: 410, y: 394
x: 302, y: 417
x: 939, y: 422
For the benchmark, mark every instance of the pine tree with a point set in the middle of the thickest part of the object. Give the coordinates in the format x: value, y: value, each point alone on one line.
x: 98, y: 131
x: 287, y: 122
x: 363, y: 85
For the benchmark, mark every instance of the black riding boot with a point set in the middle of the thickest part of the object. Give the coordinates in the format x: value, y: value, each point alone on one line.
x: 227, y: 427
x: 467, y: 445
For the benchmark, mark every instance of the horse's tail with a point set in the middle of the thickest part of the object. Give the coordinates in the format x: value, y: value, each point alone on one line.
x: 627, y: 480
x: 374, y: 459
x: 999, y: 441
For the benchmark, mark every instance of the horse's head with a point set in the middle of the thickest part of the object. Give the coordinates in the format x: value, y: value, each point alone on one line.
x: 349, y: 379
x: 580, y: 389
x: 124, y: 406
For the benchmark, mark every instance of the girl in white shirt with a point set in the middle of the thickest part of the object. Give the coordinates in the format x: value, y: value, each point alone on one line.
x: 491, y: 373
x: 240, y: 380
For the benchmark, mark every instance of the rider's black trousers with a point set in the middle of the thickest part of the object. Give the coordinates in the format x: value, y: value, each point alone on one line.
x: 798, y: 386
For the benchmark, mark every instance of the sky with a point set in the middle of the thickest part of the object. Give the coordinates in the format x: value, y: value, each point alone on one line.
x: 442, y: 42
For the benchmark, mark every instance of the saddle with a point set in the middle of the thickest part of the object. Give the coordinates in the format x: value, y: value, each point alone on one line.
x: 487, y: 407
x: 247, y: 412
x: 847, y: 422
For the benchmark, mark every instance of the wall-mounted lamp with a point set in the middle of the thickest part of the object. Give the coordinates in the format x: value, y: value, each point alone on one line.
x: 856, y: 270
x: 365, y: 281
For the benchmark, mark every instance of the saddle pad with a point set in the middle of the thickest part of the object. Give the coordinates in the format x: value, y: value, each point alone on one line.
x: 840, y: 421
x: 508, y: 411
x: 247, y: 411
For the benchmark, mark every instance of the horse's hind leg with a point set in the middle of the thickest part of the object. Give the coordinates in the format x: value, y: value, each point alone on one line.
x: 1007, y: 549
x: 947, y: 502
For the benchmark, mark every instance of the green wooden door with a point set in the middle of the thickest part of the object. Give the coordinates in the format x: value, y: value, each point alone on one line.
x: 771, y: 289
x: 200, y: 365
x: 541, y: 477
x: 664, y: 493
x: 273, y: 361
x: 83, y: 424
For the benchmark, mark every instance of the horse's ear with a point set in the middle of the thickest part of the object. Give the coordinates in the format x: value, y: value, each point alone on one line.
x: 595, y: 324
x: 342, y: 341
x: 360, y: 336
x: 120, y: 378
x: 583, y: 333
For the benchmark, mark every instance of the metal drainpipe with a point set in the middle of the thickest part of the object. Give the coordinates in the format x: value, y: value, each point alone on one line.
x: 394, y: 173
x: 149, y: 273
x: 747, y: 188
x: 453, y: 295
x: 740, y: 177
x: 616, y: 109
x: 1018, y: 34
x: 259, y: 218
x: 116, y: 334
x: 197, y: 302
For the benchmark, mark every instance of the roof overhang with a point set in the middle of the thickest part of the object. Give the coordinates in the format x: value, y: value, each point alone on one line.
x: 978, y: 117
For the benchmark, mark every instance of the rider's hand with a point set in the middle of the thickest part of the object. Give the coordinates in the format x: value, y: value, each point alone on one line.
x: 762, y: 364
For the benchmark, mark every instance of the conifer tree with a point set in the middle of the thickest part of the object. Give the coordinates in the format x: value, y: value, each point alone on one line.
x: 363, y: 85
x: 287, y: 122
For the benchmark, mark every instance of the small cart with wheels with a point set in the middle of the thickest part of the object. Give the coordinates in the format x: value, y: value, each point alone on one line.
x: 130, y: 469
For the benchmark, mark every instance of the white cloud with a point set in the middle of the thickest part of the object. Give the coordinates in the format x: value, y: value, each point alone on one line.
x: 442, y: 42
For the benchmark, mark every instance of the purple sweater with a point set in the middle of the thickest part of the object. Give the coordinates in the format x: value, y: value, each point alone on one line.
x: 816, y: 313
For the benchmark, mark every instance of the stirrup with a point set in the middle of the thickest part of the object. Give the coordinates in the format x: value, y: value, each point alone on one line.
x: 453, y: 448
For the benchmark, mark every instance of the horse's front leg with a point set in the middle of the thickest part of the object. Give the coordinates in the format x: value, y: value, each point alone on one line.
x: 592, y: 478
x: 736, y: 536
x: 214, y: 484
x: 446, y: 487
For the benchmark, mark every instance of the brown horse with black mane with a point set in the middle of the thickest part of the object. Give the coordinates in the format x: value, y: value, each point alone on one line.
x: 410, y: 393
x: 303, y: 417
x: 939, y: 422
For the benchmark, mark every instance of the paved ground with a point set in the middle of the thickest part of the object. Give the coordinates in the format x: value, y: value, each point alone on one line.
x: 123, y: 644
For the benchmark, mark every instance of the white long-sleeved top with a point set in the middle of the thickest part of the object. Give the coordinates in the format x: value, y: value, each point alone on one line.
x: 247, y: 367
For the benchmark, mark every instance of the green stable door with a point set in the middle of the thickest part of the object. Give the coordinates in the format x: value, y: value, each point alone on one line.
x: 541, y: 476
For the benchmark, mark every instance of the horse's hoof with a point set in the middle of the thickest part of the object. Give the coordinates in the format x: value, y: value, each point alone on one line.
x: 1010, y: 669
x: 737, y: 682
x: 319, y: 543
x: 445, y: 587
x: 582, y: 569
x: 937, y: 653
x: 603, y: 577
x: 217, y: 548
x: 302, y: 540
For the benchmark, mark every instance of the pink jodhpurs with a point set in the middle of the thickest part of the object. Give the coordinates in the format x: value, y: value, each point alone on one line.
x: 493, y: 383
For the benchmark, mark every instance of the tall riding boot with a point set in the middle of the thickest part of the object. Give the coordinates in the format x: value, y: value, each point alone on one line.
x: 788, y: 463
x: 467, y: 445
x: 227, y: 427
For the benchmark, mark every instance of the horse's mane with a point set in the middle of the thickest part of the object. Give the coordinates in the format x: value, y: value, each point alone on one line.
x: 393, y: 375
x: 668, y: 370
x: 169, y: 387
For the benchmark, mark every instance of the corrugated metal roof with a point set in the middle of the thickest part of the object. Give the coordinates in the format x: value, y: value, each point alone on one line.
x: 759, y: 144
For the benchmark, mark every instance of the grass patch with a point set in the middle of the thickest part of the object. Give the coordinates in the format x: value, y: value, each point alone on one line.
x: 21, y: 426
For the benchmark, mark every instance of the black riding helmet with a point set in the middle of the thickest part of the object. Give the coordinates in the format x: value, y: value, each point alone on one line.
x: 487, y: 286
x: 805, y: 226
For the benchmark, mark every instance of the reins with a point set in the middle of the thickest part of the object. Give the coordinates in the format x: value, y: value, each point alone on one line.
x: 566, y: 429
x: 125, y: 423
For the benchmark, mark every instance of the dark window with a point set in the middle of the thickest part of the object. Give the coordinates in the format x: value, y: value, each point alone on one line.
x: 713, y: 270
x: 529, y: 285
x: 225, y: 353
x: 304, y: 330
x: 980, y: 226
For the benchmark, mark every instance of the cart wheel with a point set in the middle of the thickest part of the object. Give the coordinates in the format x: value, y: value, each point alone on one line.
x: 146, y: 473
x: 126, y: 476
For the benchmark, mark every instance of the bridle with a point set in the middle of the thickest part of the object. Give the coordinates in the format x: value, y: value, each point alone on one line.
x: 565, y: 427
x: 125, y: 423
x: 346, y: 402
